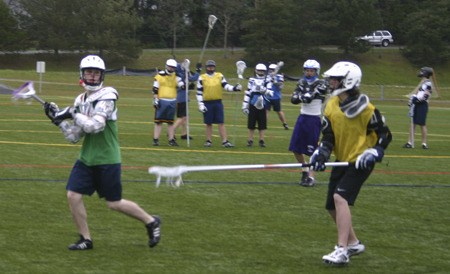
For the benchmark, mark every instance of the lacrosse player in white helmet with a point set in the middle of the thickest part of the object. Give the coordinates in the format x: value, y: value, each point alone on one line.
x: 355, y: 131
x: 310, y: 93
x: 94, y: 117
x: 274, y: 101
x: 210, y: 86
x: 255, y: 102
x: 418, y: 107
x: 165, y: 87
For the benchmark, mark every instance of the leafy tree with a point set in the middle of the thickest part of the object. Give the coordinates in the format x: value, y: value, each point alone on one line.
x: 427, y: 34
x: 106, y: 26
x: 12, y: 37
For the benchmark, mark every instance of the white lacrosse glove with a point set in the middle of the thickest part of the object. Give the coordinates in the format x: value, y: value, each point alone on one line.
x: 246, y: 111
x: 202, y: 108
x: 369, y: 157
x: 156, y: 103
x: 269, y: 92
x: 237, y: 87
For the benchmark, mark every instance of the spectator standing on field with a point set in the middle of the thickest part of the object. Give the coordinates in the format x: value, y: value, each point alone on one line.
x: 94, y: 117
x: 210, y: 87
x: 355, y: 131
x: 183, y: 99
x: 418, y: 107
x: 274, y: 101
x: 310, y: 92
x: 255, y: 103
x: 165, y: 100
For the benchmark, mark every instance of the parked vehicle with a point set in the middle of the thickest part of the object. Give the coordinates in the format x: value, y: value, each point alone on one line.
x: 378, y: 38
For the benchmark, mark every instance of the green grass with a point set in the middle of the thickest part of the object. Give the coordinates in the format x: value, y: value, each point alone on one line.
x: 254, y: 221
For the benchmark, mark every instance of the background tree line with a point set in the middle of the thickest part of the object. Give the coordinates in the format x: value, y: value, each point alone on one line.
x: 268, y: 30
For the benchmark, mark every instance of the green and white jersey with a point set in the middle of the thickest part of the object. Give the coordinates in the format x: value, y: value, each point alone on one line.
x: 101, y: 145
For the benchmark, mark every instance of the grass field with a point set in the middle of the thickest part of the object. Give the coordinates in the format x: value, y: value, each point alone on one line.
x: 254, y: 221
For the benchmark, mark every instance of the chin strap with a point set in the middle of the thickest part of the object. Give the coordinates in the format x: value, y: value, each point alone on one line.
x: 353, y: 107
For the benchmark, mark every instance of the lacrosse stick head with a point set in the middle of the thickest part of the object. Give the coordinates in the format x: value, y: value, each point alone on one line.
x: 185, y: 64
x: 172, y: 175
x: 240, y: 67
x: 24, y: 92
x: 211, y: 21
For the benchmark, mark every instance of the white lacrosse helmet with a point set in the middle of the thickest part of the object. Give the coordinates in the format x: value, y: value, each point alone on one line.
x: 312, y: 64
x: 171, y: 66
x: 349, y: 75
x: 260, y: 69
x: 273, y: 66
x: 92, y: 62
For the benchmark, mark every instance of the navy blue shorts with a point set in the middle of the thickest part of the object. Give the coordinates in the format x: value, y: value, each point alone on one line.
x: 105, y: 179
x: 305, y: 137
x: 347, y: 182
x: 275, y: 104
x: 215, y: 114
x: 181, y: 109
x: 166, y: 111
x: 420, y: 114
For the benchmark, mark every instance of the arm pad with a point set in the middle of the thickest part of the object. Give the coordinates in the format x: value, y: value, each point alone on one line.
x: 90, y: 124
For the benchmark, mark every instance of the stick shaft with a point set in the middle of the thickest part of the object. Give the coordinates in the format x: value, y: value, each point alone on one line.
x: 259, y: 166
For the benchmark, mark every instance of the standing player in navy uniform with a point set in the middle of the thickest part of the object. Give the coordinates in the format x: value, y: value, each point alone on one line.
x: 418, y: 104
x: 310, y: 92
x: 274, y: 100
x: 355, y: 131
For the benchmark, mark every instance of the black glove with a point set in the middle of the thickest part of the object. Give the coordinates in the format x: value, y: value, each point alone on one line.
x: 50, y: 110
x: 198, y: 67
x: 64, y: 114
x: 319, y: 158
x: 306, y: 98
x: 191, y: 86
x: 295, y: 99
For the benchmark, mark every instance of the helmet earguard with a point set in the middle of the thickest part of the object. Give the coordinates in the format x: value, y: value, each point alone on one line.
x: 92, y: 62
x: 349, y: 75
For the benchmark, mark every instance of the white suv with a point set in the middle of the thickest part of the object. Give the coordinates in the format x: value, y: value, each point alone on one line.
x: 378, y: 38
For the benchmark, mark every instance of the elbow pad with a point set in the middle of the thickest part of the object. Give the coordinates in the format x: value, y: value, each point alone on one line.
x: 94, y: 124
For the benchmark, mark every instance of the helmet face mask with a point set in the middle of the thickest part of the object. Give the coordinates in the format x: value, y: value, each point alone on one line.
x: 92, y: 67
x: 347, y: 74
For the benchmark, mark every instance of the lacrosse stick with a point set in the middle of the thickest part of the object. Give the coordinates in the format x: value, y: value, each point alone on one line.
x: 26, y: 91
x: 211, y: 21
x: 173, y: 175
x: 185, y: 66
x: 240, y: 67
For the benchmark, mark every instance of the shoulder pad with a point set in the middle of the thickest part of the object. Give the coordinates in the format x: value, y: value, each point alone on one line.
x: 109, y: 93
x: 162, y: 72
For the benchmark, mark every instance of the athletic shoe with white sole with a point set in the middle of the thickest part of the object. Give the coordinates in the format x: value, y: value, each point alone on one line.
x: 354, y: 249
x: 82, y: 244
x: 227, y: 144
x: 338, y: 257
x: 154, y: 231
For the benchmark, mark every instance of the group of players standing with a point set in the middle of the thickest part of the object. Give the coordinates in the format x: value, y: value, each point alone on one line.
x: 263, y: 93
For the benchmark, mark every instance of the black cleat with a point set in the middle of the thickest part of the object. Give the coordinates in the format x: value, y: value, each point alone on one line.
x: 154, y: 231
x: 173, y: 143
x: 261, y: 143
x: 82, y: 244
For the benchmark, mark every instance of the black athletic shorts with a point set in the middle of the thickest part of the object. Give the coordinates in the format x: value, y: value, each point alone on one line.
x: 345, y: 181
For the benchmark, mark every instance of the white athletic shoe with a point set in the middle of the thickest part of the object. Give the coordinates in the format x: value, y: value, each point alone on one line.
x: 338, y: 257
x: 354, y: 249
